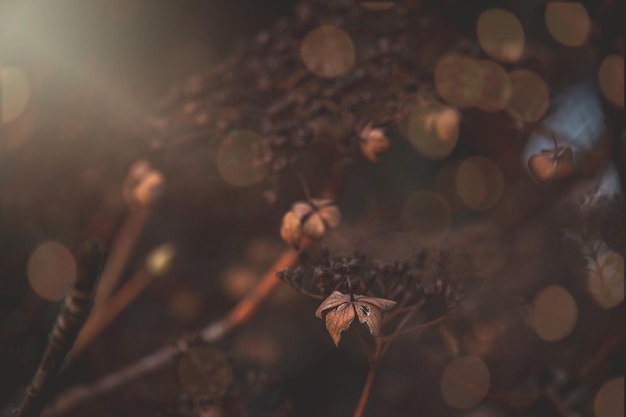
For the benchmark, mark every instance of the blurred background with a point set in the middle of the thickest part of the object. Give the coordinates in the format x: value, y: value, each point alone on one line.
x: 182, y: 132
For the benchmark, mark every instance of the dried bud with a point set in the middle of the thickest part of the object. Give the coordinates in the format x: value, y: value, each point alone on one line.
x: 290, y: 229
x: 552, y: 164
x: 373, y: 142
x: 310, y: 219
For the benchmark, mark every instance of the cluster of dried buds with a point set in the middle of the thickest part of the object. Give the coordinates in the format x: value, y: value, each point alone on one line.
x: 309, y: 219
x: 142, y: 185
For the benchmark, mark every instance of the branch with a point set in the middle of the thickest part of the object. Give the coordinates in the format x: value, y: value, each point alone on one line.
x: 241, y: 313
x: 70, y: 319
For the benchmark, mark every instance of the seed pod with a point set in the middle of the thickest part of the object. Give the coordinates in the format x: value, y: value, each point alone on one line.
x: 552, y: 164
x: 291, y: 229
x: 373, y: 142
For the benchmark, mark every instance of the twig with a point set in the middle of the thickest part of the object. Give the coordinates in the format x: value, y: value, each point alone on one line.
x: 69, y: 321
x: 212, y: 333
x: 369, y: 381
x: 100, y: 318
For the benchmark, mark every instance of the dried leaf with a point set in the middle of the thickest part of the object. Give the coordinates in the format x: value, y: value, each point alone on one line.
x: 343, y: 308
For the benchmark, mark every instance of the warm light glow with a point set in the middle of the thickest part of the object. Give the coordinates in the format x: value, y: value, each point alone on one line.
x: 606, y: 279
x: 433, y: 130
x: 185, y: 304
x: 238, y: 280
x: 568, y: 22
x: 159, y: 261
x: 205, y: 372
x: 240, y: 158
x: 479, y: 183
x: 328, y: 51
x: 51, y: 270
x: 465, y: 382
x: 15, y: 93
x: 426, y: 217
x: 554, y: 313
x: 501, y: 35
x: 611, y: 79
x: 497, y: 89
x: 257, y: 347
x: 531, y: 97
x: 609, y: 401
x: 459, y: 80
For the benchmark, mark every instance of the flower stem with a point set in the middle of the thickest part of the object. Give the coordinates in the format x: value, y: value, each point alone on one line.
x: 369, y: 381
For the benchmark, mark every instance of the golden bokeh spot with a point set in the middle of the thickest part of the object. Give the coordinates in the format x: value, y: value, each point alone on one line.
x: 159, y: 261
x: 205, y: 372
x: 501, y: 35
x: 433, y: 130
x: 240, y: 158
x: 465, y: 382
x: 426, y: 217
x: 459, y: 79
x: 568, y: 22
x: 531, y: 97
x: 497, y: 89
x: 377, y: 6
x: 554, y: 313
x: 611, y: 79
x: 15, y: 93
x: 609, y: 401
x: 51, y: 270
x: 606, y: 279
x: 479, y: 183
x: 238, y: 280
x: 328, y: 51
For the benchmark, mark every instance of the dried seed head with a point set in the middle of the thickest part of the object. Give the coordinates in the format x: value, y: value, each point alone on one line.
x: 291, y: 229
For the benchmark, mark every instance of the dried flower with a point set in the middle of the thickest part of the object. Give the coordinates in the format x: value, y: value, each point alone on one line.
x: 552, y: 164
x: 310, y: 219
x: 344, y: 307
x: 373, y: 142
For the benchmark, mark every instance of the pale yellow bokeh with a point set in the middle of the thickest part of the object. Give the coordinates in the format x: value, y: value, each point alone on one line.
x: 459, y: 79
x: 328, y: 51
x: 609, y: 401
x: 554, y: 313
x: 465, y: 382
x: 568, y: 22
x: 240, y: 158
x: 605, y: 275
x: 501, y: 35
x: 497, y: 89
x: 51, y: 270
x: 479, y: 183
x: 530, y: 98
x: 15, y: 93
x: 433, y: 130
x: 159, y: 260
x: 426, y: 217
x: 205, y: 372
x: 611, y: 79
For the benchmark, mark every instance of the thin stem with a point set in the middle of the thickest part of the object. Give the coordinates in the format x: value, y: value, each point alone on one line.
x: 301, y: 180
x: 369, y: 381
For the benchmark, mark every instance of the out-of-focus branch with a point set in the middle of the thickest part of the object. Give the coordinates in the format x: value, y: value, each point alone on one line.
x: 69, y: 321
x: 241, y: 313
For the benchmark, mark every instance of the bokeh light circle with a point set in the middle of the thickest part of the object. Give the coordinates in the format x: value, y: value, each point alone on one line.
x: 240, y: 158
x: 554, y: 313
x: 609, y: 401
x: 15, y: 93
x: 426, y: 217
x: 458, y: 79
x: 159, y: 261
x: 433, y: 130
x: 501, y: 35
x: 568, y: 22
x: 51, y: 270
x: 605, y: 276
x: 205, y: 372
x: 479, y: 183
x: 497, y: 89
x: 465, y: 382
x: 328, y: 51
x: 611, y: 79
x: 530, y: 98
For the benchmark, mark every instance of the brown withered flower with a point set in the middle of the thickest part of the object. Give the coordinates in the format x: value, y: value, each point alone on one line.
x: 342, y: 308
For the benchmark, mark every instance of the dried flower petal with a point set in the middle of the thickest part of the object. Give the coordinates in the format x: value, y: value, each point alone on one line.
x: 343, y: 308
x: 291, y: 229
x: 314, y: 226
x: 552, y: 164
